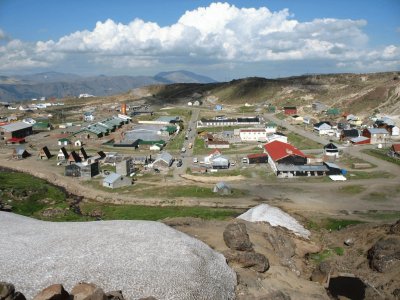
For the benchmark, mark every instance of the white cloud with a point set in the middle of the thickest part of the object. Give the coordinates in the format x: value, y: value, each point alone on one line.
x: 218, y: 34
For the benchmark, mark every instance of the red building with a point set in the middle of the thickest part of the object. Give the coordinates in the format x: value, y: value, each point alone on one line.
x: 290, y: 110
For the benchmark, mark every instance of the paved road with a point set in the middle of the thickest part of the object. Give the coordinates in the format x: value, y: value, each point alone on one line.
x: 187, y: 157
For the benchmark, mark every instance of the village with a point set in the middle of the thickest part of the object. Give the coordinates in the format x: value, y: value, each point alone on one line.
x: 118, y: 144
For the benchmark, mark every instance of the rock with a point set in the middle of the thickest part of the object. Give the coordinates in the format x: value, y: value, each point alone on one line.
x: 349, y: 242
x: 87, y: 291
x: 7, y: 292
x: 396, y: 293
x: 277, y: 295
x: 236, y: 237
x: 385, y: 254
x: 283, y: 245
x: 321, y: 272
x: 96, y: 213
x: 395, y: 228
x: 148, y: 298
x: 53, y: 292
x: 371, y: 293
x: 115, y: 295
x: 256, y: 261
x: 53, y: 212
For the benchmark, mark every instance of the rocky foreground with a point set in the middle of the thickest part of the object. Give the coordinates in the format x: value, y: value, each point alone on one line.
x: 140, y: 258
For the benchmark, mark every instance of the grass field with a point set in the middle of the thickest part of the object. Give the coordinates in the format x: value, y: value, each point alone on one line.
x: 331, y: 224
x: 154, y: 213
x: 353, y: 175
x: 176, y: 144
x: 301, y: 142
x: 351, y: 189
x: 382, y: 154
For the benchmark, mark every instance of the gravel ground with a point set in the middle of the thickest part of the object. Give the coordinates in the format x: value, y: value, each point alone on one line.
x: 138, y: 257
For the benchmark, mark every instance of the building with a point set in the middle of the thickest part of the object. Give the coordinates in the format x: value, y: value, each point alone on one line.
x: 216, y: 160
x: 222, y: 188
x: 348, y: 134
x: 394, y: 151
x: 218, y: 107
x: 222, y: 121
x: 74, y: 158
x: 331, y: 150
x: 63, y: 142
x: 88, y: 117
x: 20, y: 153
x: 277, y: 137
x: 62, y: 154
x: 258, y: 158
x: 270, y: 127
x: 41, y: 126
x: 125, y: 167
x: 376, y: 135
x: 83, y: 170
x: 318, y: 106
x: 290, y: 110
x: 296, y: 119
x: 324, y: 128
x: 16, y: 130
x: 114, y: 181
x: 360, y: 140
x: 217, y: 144
x: 44, y: 153
x: 253, y: 135
x: 164, y: 160
x: 283, y: 157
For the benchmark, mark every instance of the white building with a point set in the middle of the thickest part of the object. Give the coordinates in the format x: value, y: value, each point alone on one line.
x: 85, y: 96
x: 115, y: 180
x: 253, y: 135
x: 324, y: 129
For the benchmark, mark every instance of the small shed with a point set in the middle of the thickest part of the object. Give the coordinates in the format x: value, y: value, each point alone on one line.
x: 64, y: 142
x: 290, y: 110
x: 115, y: 180
x: 222, y: 188
x: 44, y: 153
x: 62, y: 154
x: 78, y: 143
x: 331, y: 150
x: 257, y: 158
x: 20, y: 153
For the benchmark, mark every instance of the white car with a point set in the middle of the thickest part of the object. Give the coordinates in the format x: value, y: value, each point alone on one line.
x: 195, y: 160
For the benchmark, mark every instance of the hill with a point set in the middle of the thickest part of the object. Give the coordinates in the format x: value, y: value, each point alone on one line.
x: 349, y: 92
x: 59, y: 85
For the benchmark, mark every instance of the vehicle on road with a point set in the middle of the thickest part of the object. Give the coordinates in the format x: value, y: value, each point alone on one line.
x: 190, y: 145
x: 183, y: 150
x: 179, y: 163
x: 195, y: 160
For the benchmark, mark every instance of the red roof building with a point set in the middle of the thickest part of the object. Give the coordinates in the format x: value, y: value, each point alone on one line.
x: 290, y: 110
x: 278, y: 151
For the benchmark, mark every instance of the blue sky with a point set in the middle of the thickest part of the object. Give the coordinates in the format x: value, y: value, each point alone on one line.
x: 224, y: 40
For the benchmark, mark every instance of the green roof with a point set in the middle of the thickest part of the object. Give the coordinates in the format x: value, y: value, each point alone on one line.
x: 271, y: 124
x: 63, y: 140
x: 41, y: 125
x: 159, y: 142
x: 333, y: 111
x: 170, y: 129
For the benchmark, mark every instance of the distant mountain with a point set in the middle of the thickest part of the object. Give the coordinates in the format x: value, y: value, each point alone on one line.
x: 182, y: 76
x: 59, y: 85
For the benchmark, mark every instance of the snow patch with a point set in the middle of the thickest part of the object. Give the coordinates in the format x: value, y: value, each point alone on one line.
x: 275, y: 217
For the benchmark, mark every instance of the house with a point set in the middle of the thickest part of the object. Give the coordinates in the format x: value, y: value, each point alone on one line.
x: 15, y: 130
x: 218, y: 144
x: 270, y: 127
x: 333, y: 169
x: 62, y: 154
x: 41, y: 126
x: 74, y: 158
x: 331, y: 150
x: 360, y: 140
x: 222, y: 188
x: 88, y: 117
x: 377, y: 135
x: 296, y: 119
x: 20, y: 153
x: 277, y: 137
x: 394, y: 151
x: 190, y: 103
x: 125, y: 167
x: 395, y: 130
x: 216, y: 122
x: 63, y: 142
x: 290, y: 110
x: 353, y: 120
x: 257, y: 158
x: 156, y: 147
x: 281, y: 154
x: 307, y: 120
x: 163, y: 160
x: 253, y: 135
x: 318, y: 106
x: 324, y: 128
x: 248, y: 121
x: 83, y: 170
x: 197, y: 103
x: 216, y: 160
x: 333, y: 111
x: 44, y: 153
x: 348, y: 134
x: 115, y: 180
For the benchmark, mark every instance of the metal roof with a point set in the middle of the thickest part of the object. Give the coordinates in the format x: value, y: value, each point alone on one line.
x: 113, y: 177
x: 378, y: 130
x: 302, y: 168
x: 15, y: 126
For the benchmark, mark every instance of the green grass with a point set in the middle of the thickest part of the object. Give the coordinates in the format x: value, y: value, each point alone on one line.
x: 199, y: 146
x: 301, y: 142
x: 246, y: 109
x: 348, y: 161
x: 176, y: 143
x: 185, y: 114
x: 325, y: 254
x: 280, y: 116
x: 353, y: 175
x: 331, y: 224
x: 351, y: 189
x: 218, y: 128
x: 380, y: 215
x: 26, y: 193
x: 376, y: 197
x: 154, y: 213
x: 382, y: 154
x: 190, y: 191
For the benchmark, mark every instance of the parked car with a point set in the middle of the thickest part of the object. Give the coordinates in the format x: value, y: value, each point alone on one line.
x: 183, y: 150
x: 179, y: 163
x: 195, y: 160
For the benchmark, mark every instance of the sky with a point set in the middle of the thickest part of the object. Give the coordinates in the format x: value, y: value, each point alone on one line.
x: 223, y: 40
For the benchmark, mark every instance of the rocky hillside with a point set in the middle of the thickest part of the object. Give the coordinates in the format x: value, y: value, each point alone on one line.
x: 349, y: 92
x: 59, y: 85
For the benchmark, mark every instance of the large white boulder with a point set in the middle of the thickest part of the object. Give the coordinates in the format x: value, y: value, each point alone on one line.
x: 140, y: 258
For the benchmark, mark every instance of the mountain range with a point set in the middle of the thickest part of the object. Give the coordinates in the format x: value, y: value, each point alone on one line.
x: 59, y: 85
